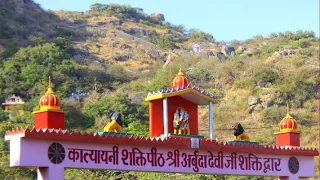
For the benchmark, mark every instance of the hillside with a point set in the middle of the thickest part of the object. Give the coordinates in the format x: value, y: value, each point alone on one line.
x: 115, y: 54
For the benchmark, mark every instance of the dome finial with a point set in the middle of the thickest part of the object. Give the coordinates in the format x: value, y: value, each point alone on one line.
x: 288, y: 110
x: 180, y: 73
x: 49, y: 81
x: 49, y: 91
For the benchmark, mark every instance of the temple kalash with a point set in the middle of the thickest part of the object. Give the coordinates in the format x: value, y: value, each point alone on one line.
x: 174, y: 143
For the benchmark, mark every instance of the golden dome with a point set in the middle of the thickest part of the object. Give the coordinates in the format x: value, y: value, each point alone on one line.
x: 49, y: 101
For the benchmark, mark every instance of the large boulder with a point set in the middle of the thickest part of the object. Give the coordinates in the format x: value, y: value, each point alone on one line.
x: 137, y: 32
x: 210, y: 54
x: 261, y: 84
x: 157, y: 17
x: 220, y: 56
x: 227, y: 50
x: 125, y: 46
x: 283, y: 53
x: 266, y: 100
x: 241, y: 49
x: 118, y: 57
x: 253, y: 100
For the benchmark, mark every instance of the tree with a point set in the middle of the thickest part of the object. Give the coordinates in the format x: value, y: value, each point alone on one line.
x: 138, y: 128
x: 98, y: 7
x: 166, y: 43
x: 3, y: 115
x: 199, y: 36
x: 27, y: 70
x: 64, y: 45
x: 115, y: 102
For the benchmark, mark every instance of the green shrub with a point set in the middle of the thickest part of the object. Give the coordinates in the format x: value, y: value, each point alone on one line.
x: 118, y: 73
x: 115, y: 102
x: 272, y: 114
x: 270, y: 48
x: 267, y: 76
x: 3, y: 115
x: 165, y: 42
x: 199, y: 36
x: 98, y: 7
x: 138, y: 128
x: 79, y: 20
x: 245, y: 83
x: 160, y: 80
x: 256, y: 91
x: 308, y: 52
x: 301, y: 43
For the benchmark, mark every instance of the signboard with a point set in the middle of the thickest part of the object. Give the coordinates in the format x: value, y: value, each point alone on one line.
x: 43, y: 153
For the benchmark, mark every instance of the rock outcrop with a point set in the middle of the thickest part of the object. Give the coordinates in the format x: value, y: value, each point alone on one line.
x: 227, y: 50
x: 283, y: 53
x: 157, y: 17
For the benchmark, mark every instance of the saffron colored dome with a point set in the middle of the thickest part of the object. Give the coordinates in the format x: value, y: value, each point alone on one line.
x: 49, y: 101
x: 288, y: 124
x: 180, y: 80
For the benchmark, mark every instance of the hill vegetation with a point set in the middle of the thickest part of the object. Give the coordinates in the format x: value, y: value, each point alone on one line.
x: 115, y: 54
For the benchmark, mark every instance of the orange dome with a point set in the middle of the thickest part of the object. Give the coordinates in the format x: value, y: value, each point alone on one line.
x: 49, y: 101
x: 288, y: 124
x: 180, y: 80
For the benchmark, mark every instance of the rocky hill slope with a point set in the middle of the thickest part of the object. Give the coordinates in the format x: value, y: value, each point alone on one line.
x: 108, y: 57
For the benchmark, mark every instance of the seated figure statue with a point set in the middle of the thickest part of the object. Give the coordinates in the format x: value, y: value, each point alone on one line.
x: 115, y: 124
x: 181, y: 122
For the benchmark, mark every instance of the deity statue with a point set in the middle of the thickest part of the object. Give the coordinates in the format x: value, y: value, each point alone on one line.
x: 181, y: 122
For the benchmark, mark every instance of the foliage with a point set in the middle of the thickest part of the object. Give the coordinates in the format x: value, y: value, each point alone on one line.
x: 3, y: 115
x: 164, y: 42
x: 30, y: 67
x: 138, y: 128
x: 266, y: 50
x: 288, y: 35
x: 119, y: 73
x: 159, y: 81
x: 199, y: 36
x: 244, y: 83
x: 9, y: 48
x: 47, y: 50
x: 123, y: 12
x: 301, y: 43
x: 65, y: 45
x: 74, y: 118
x: 23, y: 120
x: 272, y: 114
x: 98, y: 7
x: 116, y: 102
x: 5, y: 171
x: 266, y: 76
x: 79, y: 20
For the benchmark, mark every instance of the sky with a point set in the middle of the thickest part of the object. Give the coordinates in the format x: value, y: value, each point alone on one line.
x: 226, y: 20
